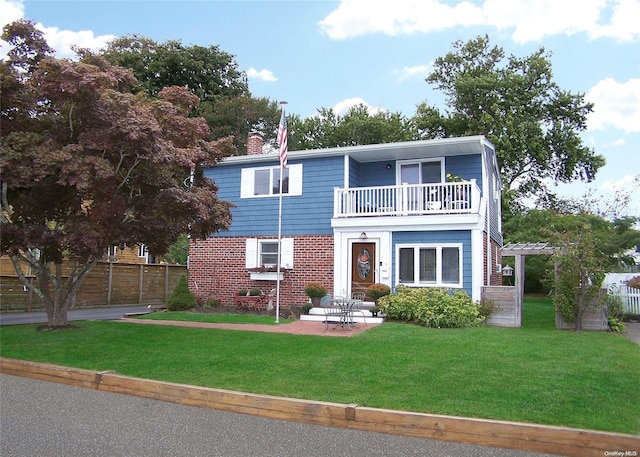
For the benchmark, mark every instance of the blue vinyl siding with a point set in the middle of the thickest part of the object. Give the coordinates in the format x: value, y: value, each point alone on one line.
x: 437, y: 237
x: 493, y: 205
x: 307, y: 214
x: 466, y: 167
x: 377, y: 174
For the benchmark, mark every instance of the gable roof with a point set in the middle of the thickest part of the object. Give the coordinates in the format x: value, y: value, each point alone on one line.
x: 379, y: 152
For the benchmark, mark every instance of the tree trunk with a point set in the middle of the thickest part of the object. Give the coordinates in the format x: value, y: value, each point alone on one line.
x: 56, y: 291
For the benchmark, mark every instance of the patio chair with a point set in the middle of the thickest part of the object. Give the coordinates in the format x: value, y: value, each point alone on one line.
x: 334, y: 311
x: 358, y: 305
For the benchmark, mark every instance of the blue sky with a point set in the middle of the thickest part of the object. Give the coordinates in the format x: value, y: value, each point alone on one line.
x: 335, y: 54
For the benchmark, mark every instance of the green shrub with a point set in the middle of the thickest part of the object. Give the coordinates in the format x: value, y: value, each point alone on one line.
x: 242, y: 292
x: 181, y: 297
x: 615, y: 307
x: 306, y: 308
x: 213, y: 302
x: 486, y: 307
x: 616, y: 325
x: 255, y: 292
x: 432, y: 307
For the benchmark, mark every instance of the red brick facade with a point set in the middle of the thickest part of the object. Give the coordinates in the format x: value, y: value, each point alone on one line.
x: 496, y: 258
x: 217, y: 267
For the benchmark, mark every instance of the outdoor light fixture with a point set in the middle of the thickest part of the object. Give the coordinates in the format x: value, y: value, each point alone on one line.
x: 363, y: 236
x: 389, y: 166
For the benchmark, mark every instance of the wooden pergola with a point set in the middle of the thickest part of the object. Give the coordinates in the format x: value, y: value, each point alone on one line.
x: 519, y: 251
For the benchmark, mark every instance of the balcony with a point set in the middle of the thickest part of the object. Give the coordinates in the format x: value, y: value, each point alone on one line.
x: 407, y: 200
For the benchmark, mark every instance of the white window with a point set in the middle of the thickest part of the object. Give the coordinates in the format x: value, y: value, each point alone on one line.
x: 425, y: 172
x: 265, y: 181
x: 429, y: 265
x: 142, y: 251
x: 265, y: 253
x: 112, y: 252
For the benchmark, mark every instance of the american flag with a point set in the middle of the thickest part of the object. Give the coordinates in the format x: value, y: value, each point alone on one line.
x: 282, y: 140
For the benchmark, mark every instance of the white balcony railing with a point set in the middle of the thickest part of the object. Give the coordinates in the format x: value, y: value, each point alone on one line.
x: 407, y: 199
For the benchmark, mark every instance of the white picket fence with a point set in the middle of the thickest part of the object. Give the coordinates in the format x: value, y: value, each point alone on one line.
x: 630, y: 297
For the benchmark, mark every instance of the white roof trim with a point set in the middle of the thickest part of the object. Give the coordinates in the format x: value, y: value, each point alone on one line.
x: 379, y: 152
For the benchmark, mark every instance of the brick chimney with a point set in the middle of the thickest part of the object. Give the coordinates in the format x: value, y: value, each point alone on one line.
x: 254, y: 143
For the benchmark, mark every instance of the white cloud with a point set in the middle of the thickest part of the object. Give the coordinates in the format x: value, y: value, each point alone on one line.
x: 357, y: 17
x: 10, y: 11
x: 63, y: 40
x: 343, y: 106
x: 264, y: 74
x: 421, y: 71
x: 626, y: 182
x: 624, y: 22
x: 529, y: 20
x: 60, y: 40
x: 615, y: 105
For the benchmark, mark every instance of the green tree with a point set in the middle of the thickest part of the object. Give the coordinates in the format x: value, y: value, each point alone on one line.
x: 581, y: 267
x: 515, y: 103
x: 178, y: 252
x: 356, y: 127
x: 208, y: 72
x: 238, y: 116
x: 614, y: 239
x: 87, y: 164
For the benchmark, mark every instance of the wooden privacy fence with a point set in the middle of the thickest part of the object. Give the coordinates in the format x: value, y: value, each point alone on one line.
x: 108, y: 284
x: 630, y: 297
x: 507, y: 312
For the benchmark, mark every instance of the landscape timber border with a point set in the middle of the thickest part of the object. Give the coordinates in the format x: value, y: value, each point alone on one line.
x: 510, y: 435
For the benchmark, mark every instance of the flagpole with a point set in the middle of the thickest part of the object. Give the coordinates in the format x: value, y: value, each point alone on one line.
x: 282, y: 144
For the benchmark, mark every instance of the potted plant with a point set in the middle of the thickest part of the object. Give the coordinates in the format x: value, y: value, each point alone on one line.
x: 377, y: 291
x: 374, y: 310
x: 306, y: 308
x: 315, y: 291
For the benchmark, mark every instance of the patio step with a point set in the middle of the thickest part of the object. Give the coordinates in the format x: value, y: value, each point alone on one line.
x: 317, y: 315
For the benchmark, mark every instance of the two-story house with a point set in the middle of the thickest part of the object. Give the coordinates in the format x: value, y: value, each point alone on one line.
x: 419, y: 213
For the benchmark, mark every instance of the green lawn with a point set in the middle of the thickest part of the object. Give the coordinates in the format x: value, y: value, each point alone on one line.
x: 532, y: 374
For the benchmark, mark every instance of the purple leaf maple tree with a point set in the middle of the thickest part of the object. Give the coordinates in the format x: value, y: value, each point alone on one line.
x: 87, y: 163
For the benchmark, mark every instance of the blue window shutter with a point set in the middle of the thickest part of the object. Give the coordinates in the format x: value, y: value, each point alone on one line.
x: 251, y: 253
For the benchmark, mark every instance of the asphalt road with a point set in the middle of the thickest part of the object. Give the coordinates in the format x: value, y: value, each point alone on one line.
x: 39, y: 317
x: 54, y: 420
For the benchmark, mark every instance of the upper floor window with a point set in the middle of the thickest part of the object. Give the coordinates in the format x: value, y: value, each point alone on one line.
x: 425, y: 264
x: 142, y: 251
x: 425, y: 172
x: 265, y: 181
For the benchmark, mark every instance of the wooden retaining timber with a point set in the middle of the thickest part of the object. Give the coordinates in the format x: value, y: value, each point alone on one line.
x: 510, y: 435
